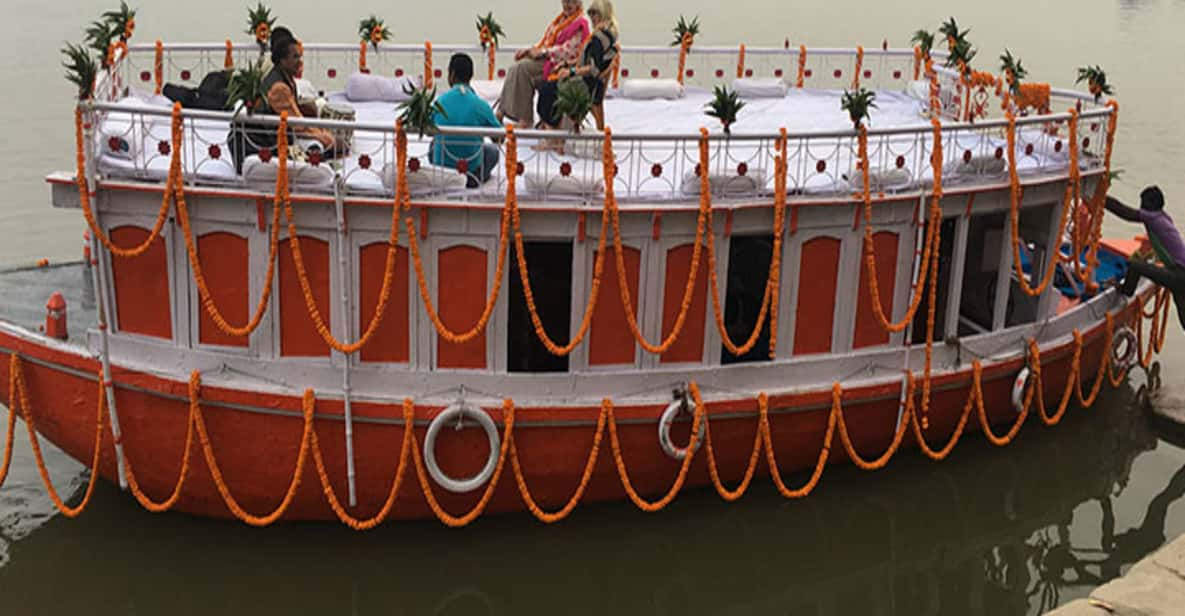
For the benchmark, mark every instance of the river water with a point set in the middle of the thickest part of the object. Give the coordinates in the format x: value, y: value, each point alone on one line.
x: 990, y: 531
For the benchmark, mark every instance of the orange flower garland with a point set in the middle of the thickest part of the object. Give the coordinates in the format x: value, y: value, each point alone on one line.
x: 158, y: 64
x: 741, y: 62
x: 859, y: 67
x: 229, y: 61
x: 684, y: 48
x: 362, y: 57
x: 917, y: 62
x: 262, y: 33
x: 428, y: 74
x: 801, y: 66
x: 167, y: 504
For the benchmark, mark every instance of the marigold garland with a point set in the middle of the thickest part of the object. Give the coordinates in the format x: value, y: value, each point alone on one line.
x: 917, y: 62
x: 585, y: 477
x: 713, y: 470
x: 741, y: 62
x: 801, y: 66
x: 133, y: 484
x: 228, y: 62
x: 158, y: 64
x: 362, y: 57
x: 698, y: 417
x: 859, y: 67
x: 428, y: 75
x: 684, y: 48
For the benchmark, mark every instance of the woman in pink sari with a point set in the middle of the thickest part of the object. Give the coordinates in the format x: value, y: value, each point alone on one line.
x: 560, y: 46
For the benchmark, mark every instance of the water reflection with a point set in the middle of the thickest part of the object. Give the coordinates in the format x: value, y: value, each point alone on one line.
x: 988, y: 532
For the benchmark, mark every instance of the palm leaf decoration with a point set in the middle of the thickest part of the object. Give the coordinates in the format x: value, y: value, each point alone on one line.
x: 260, y: 22
x: 246, y: 84
x: 372, y: 30
x: 960, y: 57
x: 924, y: 39
x: 1096, y: 79
x: 98, y: 37
x: 724, y: 106
x: 1013, y: 68
x: 489, y: 30
x: 950, y: 29
x: 684, y: 28
x: 122, y: 20
x: 80, y: 69
x: 858, y: 104
x: 418, y: 112
x: 573, y: 101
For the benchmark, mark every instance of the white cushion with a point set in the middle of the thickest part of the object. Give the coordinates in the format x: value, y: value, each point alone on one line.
x: 364, y: 88
x: 490, y: 90
x: 728, y: 184
x: 882, y: 180
x: 301, y: 174
x: 305, y: 91
x: 754, y: 87
x: 428, y: 179
x: 919, y: 90
x: 648, y: 89
x: 544, y: 182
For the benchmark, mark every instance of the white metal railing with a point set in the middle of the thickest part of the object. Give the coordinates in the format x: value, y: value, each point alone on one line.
x: 135, y: 142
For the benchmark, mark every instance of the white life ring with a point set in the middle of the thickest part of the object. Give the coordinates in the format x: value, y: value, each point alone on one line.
x: 1018, y: 389
x: 451, y: 415
x: 1124, y: 348
x: 664, y: 431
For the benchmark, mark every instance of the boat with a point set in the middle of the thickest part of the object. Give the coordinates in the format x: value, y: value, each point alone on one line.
x: 656, y: 307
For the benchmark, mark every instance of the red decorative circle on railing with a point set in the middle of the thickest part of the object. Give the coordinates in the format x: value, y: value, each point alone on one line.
x: 215, y: 151
x: 719, y: 73
x: 1094, y: 126
x: 1086, y: 143
x: 656, y: 170
x: 625, y: 72
x: 115, y: 143
x: 690, y: 73
x: 520, y: 169
x: 501, y: 72
x: 265, y: 155
x: 463, y: 166
x: 742, y: 169
x: 315, y: 158
x: 332, y: 73
x: 896, y: 74
x: 748, y: 72
x: 1057, y: 146
x: 900, y: 162
x: 654, y: 72
x: 185, y: 75
x: 364, y: 71
x: 868, y: 74
x: 1029, y: 149
x: 807, y: 73
x: 777, y: 72
x: 999, y: 153
x: 838, y: 73
x: 616, y: 170
x: 821, y: 166
x: 437, y: 74
x: 164, y: 148
x: 566, y: 169
x: 145, y: 76
x: 699, y: 170
x: 413, y: 164
x: 399, y: 72
x: 364, y: 161
x: 967, y: 156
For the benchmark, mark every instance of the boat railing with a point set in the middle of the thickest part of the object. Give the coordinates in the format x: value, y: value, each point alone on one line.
x: 135, y: 141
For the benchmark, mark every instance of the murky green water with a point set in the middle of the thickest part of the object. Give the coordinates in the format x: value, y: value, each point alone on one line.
x: 990, y: 531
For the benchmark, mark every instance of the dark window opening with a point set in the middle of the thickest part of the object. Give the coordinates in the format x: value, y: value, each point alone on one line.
x: 977, y: 304
x: 748, y: 272
x: 1034, y: 233
x: 549, y: 267
x: 946, y: 253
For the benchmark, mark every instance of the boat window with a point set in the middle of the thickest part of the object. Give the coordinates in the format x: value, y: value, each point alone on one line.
x: 549, y: 266
x: 985, y: 240
x: 1035, y: 230
x: 748, y: 272
x: 946, y: 253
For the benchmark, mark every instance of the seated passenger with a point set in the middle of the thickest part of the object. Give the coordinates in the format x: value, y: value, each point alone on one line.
x: 463, y: 107
x: 593, y: 66
x: 280, y: 94
x: 560, y: 46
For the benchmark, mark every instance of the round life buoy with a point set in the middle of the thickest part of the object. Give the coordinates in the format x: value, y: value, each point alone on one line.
x: 664, y: 431
x: 1124, y: 348
x: 451, y: 415
x: 1018, y: 389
